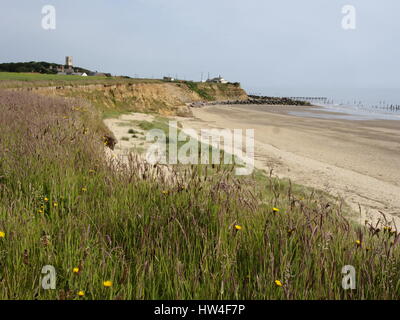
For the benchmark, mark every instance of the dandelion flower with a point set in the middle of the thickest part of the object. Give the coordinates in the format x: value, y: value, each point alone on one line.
x: 275, y: 210
x: 237, y: 227
x: 46, y: 199
x: 2, y: 234
x: 278, y: 283
x: 55, y: 204
x: 358, y: 242
x: 389, y: 229
x: 75, y: 270
x: 290, y: 231
x: 40, y: 211
x: 81, y: 293
x: 165, y: 192
x: 84, y: 189
x: 107, y: 283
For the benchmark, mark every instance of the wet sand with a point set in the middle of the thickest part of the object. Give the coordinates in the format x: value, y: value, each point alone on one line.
x: 358, y: 161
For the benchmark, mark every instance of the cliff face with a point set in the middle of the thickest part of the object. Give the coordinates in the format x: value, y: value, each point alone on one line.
x: 164, y: 98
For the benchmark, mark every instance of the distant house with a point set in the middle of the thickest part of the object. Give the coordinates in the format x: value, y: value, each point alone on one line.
x: 217, y: 80
x: 95, y: 74
x: 170, y: 79
x: 99, y: 74
x: 65, y: 71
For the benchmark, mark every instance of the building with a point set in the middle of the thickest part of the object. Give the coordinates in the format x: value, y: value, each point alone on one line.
x: 99, y: 74
x: 170, y: 79
x: 66, y: 69
x: 217, y: 80
x: 69, y: 70
x: 68, y: 62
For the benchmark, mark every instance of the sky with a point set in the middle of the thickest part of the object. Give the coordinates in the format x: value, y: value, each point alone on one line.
x: 260, y: 43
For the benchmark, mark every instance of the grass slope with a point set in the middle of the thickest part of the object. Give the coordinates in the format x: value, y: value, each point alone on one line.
x: 206, y: 235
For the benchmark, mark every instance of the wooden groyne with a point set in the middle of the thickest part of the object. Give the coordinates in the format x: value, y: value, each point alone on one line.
x: 319, y: 99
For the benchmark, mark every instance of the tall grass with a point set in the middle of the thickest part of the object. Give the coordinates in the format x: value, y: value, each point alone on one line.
x: 198, y: 233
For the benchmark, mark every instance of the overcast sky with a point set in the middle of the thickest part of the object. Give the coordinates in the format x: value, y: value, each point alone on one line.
x: 261, y: 43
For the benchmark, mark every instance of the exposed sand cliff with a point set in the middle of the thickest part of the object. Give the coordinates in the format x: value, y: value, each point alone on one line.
x: 164, y: 98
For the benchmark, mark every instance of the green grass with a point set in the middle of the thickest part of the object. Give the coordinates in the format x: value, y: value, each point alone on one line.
x: 17, y: 80
x: 158, y: 236
x: 201, y: 92
x: 43, y: 77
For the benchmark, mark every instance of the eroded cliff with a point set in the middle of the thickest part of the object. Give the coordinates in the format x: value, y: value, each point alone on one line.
x: 163, y: 97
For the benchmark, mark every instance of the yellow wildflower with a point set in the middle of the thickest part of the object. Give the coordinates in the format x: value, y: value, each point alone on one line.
x: 278, y: 283
x: 40, y: 211
x: 165, y: 192
x: 81, y: 293
x: 238, y: 227
x: 2, y: 234
x: 84, y: 189
x: 290, y: 231
x: 358, y: 242
x: 75, y: 270
x: 107, y: 283
x: 46, y: 199
x: 275, y: 210
x: 55, y: 204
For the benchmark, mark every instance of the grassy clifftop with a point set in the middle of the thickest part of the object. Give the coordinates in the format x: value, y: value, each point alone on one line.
x: 13, y: 80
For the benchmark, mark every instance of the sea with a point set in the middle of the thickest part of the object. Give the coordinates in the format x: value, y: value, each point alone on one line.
x: 347, y: 104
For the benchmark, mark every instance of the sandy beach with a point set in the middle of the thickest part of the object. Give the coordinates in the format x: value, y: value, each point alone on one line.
x: 357, y: 161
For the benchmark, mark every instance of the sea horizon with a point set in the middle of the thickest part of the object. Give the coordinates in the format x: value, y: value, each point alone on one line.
x: 357, y: 103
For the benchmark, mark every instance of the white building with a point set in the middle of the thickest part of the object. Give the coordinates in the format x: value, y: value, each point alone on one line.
x: 169, y: 79
x: 218, y: 80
